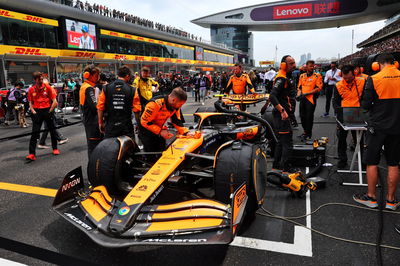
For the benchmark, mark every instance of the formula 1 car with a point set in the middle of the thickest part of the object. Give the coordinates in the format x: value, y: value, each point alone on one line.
x: 199, y: 191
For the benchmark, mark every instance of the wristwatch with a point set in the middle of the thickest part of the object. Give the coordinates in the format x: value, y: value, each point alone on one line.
x: 282, y: 110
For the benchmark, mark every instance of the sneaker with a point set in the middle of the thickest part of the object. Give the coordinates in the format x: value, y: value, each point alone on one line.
x: 364, y: 199
x: 31, y: 157
x: 202, y: 103
x: 302, y: 136
x: 397, y: 228
x: 42, y: 146
x: 61, y: 142
x: 56, y: 152
x: 325, y: 115
x: 392, y: 205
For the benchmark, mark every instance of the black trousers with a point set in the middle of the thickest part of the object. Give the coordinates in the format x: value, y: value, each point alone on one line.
x: 43, y: 138
x: 196, y: 95
x: 307, y: 110
x: 284, y: 147
x: 151, y: 143
x: 93, y: 136
x: 328, y: 94
x: 42, y: 115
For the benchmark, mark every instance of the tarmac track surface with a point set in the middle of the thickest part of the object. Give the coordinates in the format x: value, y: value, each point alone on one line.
x: 30, y: 233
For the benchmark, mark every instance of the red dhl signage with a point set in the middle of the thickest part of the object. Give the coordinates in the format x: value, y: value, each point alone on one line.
x: 114, y: 33
x: 120, y: 57
x: 27, y: 51
x: 5, y: 13
x: 85, y: 54
x: 128, y: 36
x: 8, y: 49
x: 26, y: 17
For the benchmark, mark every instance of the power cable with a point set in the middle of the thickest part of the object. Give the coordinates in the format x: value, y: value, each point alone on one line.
x: 290, y: 220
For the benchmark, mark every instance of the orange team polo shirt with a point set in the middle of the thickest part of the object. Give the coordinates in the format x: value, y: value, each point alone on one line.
x: 42, y: 97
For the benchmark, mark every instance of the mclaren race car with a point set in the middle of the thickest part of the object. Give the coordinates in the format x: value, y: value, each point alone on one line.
x: 198, y: 191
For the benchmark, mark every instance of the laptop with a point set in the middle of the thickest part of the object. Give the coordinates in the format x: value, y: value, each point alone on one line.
x: 354, y: 117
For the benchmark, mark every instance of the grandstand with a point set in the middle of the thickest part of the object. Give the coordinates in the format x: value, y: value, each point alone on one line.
x: 386, y: 39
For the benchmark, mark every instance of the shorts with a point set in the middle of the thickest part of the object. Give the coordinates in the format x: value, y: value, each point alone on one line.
x: 374, y: 144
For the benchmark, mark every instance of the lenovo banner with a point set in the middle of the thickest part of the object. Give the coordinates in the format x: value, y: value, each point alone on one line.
x: 308, y: 10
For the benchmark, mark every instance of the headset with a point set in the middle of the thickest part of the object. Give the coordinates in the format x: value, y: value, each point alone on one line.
x: 283, y: 65
x: 90, y: 70
x: 377, y: 67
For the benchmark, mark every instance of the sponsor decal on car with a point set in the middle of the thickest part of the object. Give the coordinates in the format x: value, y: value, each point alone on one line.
x: 160, y: 240
x: 77, y: 221
x: 71, y: 184
x: 124, y: 211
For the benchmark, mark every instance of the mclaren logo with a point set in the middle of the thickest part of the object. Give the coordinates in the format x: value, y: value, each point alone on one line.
x: 159, y: 240
x: 76, y: 220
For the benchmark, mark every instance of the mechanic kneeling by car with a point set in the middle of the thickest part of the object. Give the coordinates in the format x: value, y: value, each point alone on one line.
x: 153, y: 133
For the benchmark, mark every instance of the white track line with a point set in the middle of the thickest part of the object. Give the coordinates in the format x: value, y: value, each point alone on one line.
x: 302, y: 244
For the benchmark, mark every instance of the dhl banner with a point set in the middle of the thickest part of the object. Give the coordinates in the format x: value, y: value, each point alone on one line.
x: 143, y: 39
x: 18, y: 50
x: 212, y: 52
x: 29, y: 18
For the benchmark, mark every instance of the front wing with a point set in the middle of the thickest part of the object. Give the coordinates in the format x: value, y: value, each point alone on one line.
x: 193, y: 222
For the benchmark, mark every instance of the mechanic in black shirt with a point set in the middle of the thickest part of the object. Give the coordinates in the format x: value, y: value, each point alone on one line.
x: 88, y: 102
x: 281, y: 99
x: 116, y: 101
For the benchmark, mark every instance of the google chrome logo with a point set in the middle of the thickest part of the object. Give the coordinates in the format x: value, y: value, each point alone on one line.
x: 124, y: 211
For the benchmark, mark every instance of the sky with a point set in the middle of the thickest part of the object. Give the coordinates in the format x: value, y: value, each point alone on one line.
x: 321, y: 43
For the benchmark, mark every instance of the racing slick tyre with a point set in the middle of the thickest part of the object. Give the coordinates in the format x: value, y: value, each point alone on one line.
x: 107, y: 164
x: 238, y: 162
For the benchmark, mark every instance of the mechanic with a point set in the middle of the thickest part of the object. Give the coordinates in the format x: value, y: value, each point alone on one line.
x: 347, y: 93
x: 381, y: 98
x: 238, y: 83
x: 310, y: 84
x: 359, y: 72
x: 280, y: 98
x: 116, y: 101
x: 153, y: 133
x: 331, y: 77
x: 42, y: 102
x: 88, y: 102
x: 144, y: 91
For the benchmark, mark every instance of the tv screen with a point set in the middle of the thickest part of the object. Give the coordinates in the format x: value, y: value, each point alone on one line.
x: 199, y: 53
x: 80, y: 35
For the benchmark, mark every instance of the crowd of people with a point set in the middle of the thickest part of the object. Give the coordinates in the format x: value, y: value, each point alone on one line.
x: 116, y: 14
x: 390, y: 44
x: 391, y: 28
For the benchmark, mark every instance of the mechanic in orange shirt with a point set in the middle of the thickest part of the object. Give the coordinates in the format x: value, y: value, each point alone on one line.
x: 310, y: 84
x: 88, y: 102
x: 42, y: 102
x: 153, y: 133
x: 238, y: 83
x: 347, y: 93
x: 381, y: 97
x: 359, y: 72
